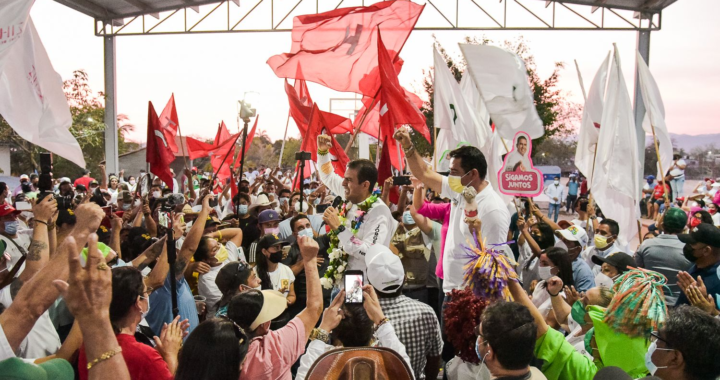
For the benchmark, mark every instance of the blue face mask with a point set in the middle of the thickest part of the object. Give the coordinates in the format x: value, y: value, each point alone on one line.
x: 306, y: 232
x: 243, y: 209
x: 11, y: 227
x: 316, y: 201
x: 307, y: 191
x: 407, y: 218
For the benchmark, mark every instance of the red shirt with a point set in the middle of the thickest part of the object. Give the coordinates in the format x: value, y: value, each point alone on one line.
x: 143, y: 361
x: 85, y: 181
x: 271, y: 356
x: 583, y: 188
x: 659, y: 192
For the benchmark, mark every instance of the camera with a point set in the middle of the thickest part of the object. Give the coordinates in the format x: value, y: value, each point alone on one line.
x: 169, y: 203
x: 305, y: 156
x: 45, y: 180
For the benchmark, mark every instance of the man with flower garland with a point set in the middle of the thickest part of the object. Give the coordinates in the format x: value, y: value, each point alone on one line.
x: 362, y: 221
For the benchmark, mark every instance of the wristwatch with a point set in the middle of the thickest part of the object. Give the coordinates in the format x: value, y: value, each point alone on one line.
x: 340, y: 229
x: 320, y: 334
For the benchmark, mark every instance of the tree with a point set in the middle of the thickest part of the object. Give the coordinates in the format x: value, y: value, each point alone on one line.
x: 88, y: 112
x: 556, y: 112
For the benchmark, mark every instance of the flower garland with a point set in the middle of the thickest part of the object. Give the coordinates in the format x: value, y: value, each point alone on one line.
x: 339, y: 258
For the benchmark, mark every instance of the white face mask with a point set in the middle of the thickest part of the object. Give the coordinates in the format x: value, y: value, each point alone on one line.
x: 652, y: 368
x: 145, y: 313
x: 545, y: 272
x: 603, y: 280
x: 132, y: 182
x: 306, y: 232
x: 557, y: 183
x: 156, y: 194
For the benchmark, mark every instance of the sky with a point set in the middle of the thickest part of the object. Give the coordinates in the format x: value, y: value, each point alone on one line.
x: 209, y: 73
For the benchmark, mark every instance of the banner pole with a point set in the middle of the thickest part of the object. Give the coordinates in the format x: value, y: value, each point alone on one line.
x: 657, y: 152
x: 182, y: 145
x: 282, y: 148
x: 362, y: 120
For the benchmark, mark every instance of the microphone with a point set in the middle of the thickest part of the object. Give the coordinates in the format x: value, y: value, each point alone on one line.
x: 336, y: 203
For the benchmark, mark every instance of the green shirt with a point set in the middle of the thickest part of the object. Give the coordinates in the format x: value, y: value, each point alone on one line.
x: 561, y: 360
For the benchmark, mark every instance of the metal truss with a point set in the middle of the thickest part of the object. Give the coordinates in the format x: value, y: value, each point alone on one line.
x: 232, y: 16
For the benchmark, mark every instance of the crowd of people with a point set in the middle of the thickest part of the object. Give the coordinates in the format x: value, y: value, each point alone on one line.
x: 127, y: 277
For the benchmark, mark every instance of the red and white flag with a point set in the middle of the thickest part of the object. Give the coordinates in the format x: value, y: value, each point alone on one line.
x: 301, y: 105
x: 169, y: 123
x: 32, y: 100
x: 338, y: 49
x: 158, y: 153
x: 217, y: 153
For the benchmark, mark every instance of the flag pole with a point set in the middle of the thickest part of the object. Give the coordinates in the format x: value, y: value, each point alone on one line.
x: 362, y: 120
x: 282, y: 147
x: 400, y: 163
x: 435, y: 148
x: 182, y: 145
x: 214, y: 177
x: 582, y: 87
x: 662, y: 173
x: 582, y: 84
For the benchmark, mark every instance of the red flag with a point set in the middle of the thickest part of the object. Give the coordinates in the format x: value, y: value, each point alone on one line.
x: 248, y: 143
x: 309, y: 142
x: 197, y: 149
x: 385, y: 172
x: 158, y: 152
x: 233, y: 188
x: 169, y: 123
x: 301, y: 108
x: 337, y: 49
x: 371, y: 124
x: 222, y: 134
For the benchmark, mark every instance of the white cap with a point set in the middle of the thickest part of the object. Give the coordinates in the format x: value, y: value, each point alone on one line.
x: 384, y: 269
x: 575, y: 233
x: 65, y: 179
x: 715, y: 184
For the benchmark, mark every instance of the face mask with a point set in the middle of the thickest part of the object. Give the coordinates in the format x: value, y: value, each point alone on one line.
x: 274, y: 231
x: 687, y: 251
x: 275, y: 257
x: 479, y: 355
x: 145, y: 313
x: 588, y: 337
x: 652, y: 368
x: 284, y: 200
x: 557, y: 183
x: 11, y: 227
x: 307, y: 191
x: 306, y: 232
x: 27, y: 215
x: 243, y: 209
x: 132, y: 182
x: 156, y: 194
x: 544, y: 272
x: 316, y: 201
x: 126, y: 206
x: 407, y: 218
x: 304, y: 207
x: 455, y: 183
x: 694, y: 222
x: 601, y: 242
x: 222, y: 254
x: 578, y: 312
x: 603, y: 280
x: 712, y: 211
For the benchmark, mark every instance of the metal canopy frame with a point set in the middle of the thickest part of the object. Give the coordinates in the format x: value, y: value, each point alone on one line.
x: 229, y: 18
x: 115, y: 18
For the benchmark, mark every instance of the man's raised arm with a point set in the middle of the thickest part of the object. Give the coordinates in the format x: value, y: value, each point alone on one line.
x: 325, y: 169
x: 418, y: 167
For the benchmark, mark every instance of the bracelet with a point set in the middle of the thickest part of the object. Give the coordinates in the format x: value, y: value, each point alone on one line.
x: 219, y: 235
x: 552, y: 295
x: 320, y: 334
x: 51, y: 226
x: 322, y: 152
x: 104, y: 357
x: 382, y: 322
x: 409, y: 151
x: 41, y: 222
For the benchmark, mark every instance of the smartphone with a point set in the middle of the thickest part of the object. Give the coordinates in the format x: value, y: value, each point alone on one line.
x: 163, y: 219
x: 401, y: 180
x: 107, y: 210
x: 23, y: 206
x: 353, y: 287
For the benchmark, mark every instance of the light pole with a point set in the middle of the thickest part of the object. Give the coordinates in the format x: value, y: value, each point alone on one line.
x: 245, y: 113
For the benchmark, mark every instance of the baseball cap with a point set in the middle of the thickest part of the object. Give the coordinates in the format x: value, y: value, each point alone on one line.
x: 94, y: 182
x: 54, y: 369
x: 384, y: 269
x: 268, y: 216
x: 574, y: 233
x: 269, y: 240
x: 64, y: 180
x: 211, y: 221
x: 704, y: 233
x: 619, y: 260
x: 675, y: 218
x: 6, y: 209
x: 80, y: 188
x: 24, y: 176
x: 230, y: 277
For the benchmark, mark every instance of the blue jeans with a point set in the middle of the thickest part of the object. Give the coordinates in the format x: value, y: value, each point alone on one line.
x: 554, y: 208
x: 677, y: 184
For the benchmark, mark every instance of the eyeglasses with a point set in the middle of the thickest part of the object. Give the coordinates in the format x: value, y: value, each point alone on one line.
x: 655, y: 336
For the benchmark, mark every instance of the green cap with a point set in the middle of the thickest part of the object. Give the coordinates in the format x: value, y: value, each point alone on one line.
x: 675, y: 219
x: 55, y: 369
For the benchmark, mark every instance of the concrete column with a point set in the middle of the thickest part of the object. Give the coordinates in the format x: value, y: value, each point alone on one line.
x: 111, y: 130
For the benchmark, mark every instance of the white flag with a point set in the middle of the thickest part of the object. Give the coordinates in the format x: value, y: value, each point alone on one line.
x: 590, y: 127
x: 453, y: 115
x: 616, y: 187
x: 501, y: 78
x: 32, y: 98
x: 13, y: 18
x: 655, y: 114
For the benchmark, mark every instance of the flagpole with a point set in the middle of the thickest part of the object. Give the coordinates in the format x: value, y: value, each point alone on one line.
x: 662, y: 172
x: 435, y: 148
x: 182, y: 145
x: 582, y: 85
x: 282, y: 148
x: 214, y: 177
x: 362, y: 120
x: 400, y: 163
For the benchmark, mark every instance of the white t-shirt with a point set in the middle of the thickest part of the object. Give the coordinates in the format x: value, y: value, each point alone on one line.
x: 716, y: 219
x: 208, y: 289
x: 677, y: 172
x: 6, y: 351
x: 43, y: 340
x: 541, y: 298
x: 282, y: 277
x: 495, y: 224
x: 22, y: 240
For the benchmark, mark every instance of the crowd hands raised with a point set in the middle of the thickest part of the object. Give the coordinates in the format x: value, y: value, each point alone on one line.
x: 87, y: 286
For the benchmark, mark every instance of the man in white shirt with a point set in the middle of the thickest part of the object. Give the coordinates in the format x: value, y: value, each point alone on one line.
x: 555, y: 193
x: 215, y: 255
x: 356, y: 187
x: 468, y: 168
x: 605, y: 243
x: 518, y: 155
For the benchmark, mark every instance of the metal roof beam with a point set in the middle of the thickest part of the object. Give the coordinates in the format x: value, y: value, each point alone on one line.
x: 89, y: 8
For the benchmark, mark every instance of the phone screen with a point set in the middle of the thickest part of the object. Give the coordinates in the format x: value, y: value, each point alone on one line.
x: 23, y: 206
x: 163, y: 219
x: 353, y: 287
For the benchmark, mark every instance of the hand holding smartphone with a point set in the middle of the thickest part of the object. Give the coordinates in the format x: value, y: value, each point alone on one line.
x: 354, y: 280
